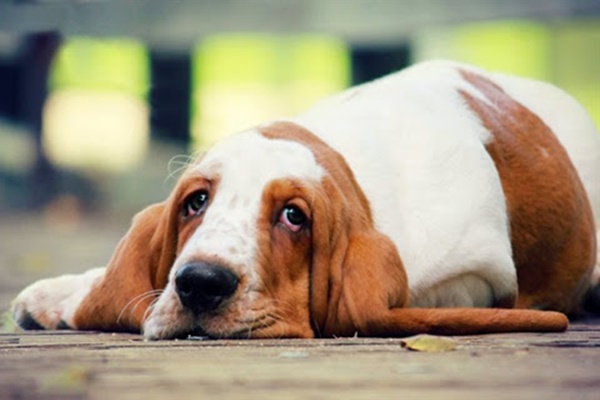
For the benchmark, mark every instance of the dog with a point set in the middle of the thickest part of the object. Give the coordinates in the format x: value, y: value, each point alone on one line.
x: 439, y: 199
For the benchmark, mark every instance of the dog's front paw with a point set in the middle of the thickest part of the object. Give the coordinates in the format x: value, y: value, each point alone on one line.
x: 51, y: 303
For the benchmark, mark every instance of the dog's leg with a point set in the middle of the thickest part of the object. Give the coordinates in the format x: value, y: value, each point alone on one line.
x: 51, y: 303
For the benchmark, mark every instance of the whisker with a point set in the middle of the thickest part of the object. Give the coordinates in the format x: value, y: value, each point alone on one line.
x: 135, y: 306
x: 258, y: 319
x: 180, y: 162
x: 150, y: 308
x: 136, y: 300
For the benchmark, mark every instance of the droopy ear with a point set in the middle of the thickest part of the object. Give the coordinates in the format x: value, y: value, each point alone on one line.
x: 366, y: 280
x: 373, y: 296
x: 349, y: 253
x: 139, y: 266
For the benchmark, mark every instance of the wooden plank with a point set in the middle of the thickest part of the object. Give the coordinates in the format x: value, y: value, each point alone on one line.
x: 90, y: 365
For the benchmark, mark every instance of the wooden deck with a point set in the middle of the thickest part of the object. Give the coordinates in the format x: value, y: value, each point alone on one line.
x: 64, y: 365
x: 71, y: 365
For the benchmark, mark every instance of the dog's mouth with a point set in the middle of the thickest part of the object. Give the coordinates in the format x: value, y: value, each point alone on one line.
x: 243, y: 331
x: 223, y: 326
x: 229, y: 325
x: 230, y: 321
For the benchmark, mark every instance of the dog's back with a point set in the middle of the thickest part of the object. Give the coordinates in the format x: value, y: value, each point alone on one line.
x: 418, y: 154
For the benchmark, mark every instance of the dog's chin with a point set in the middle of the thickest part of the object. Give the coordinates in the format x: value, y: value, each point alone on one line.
x: 168, y: 323
x: 203, y: 329
x: 198, y: 333
x: 193, y: 328
x: 217, y: 331
x: 175, y: 333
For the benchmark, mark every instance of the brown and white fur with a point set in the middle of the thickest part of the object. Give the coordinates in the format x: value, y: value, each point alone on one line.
x: 441, y: 199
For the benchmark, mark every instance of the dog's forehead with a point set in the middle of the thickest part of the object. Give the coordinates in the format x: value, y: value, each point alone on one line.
x: 249, y: 158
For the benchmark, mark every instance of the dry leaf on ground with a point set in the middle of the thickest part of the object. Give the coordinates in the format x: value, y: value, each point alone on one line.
x: 429, y: 343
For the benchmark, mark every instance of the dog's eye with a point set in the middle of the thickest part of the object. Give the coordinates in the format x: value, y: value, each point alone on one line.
x: 293, y: 218
x: 195, y: 203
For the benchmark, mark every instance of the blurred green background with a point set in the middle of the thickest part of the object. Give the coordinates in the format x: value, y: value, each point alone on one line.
x: 101, y: 101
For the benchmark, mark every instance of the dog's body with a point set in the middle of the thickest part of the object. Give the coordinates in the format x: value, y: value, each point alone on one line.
x: 441, y: 174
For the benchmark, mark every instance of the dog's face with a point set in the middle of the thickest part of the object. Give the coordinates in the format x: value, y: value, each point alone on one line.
x: 242, y: 266
x: 266, y: 221
x: 243, y: 258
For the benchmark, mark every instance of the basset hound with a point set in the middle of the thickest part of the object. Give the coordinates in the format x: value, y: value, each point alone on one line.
x: 440, y: 199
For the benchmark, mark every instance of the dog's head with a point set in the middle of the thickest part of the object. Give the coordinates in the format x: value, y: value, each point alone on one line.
x: 261, y: 237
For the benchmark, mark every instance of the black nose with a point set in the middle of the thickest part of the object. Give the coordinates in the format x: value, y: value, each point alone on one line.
x: 202, y: 287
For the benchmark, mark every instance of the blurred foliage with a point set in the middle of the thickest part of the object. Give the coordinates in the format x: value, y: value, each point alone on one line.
x: 113, y: 64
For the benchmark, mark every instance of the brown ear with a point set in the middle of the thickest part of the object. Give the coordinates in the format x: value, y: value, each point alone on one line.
x: 366, y: 281
x: 139, y: 266
x: 374, y: 296
x: 356, y: 271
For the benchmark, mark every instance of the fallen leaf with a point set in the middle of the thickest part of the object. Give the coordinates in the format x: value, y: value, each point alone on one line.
x: 429, y: 343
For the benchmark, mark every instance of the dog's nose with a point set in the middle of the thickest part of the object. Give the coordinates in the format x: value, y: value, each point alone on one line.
x: 202, y: 286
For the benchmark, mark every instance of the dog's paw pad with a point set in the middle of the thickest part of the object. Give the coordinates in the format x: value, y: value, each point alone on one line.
x: 29, y: 323
x: 25, y: 320
x: 62, y: 325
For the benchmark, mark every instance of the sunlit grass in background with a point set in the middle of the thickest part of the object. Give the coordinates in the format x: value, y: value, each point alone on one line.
x: 242, y: 80
x: 564, y: 53
x: 96, y: 116
x: 517, y: 47
x: 577, y: 63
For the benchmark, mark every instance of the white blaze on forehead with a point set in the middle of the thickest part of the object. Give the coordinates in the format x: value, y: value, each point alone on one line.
x: 243, y: 165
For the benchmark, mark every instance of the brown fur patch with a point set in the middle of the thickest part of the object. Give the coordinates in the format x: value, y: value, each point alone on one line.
x: 551, y: 223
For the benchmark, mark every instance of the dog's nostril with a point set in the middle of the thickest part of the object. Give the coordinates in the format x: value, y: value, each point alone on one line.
x: 184, y: 287
x: 203, y: 287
